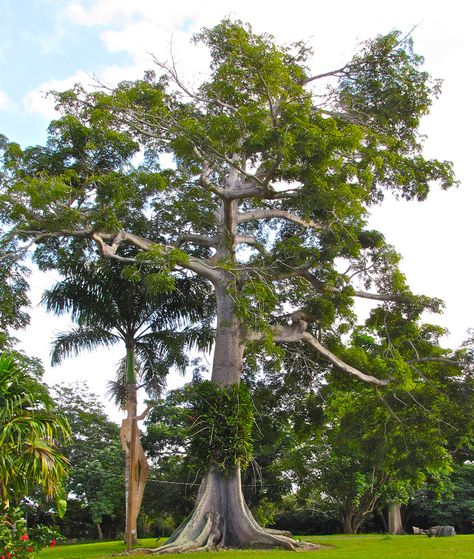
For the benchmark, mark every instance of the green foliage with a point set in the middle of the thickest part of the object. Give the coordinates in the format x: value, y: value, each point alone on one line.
x: 262, y: 137
x: 220, y: 428
x: 385, y: 88
x: 31, y: 428
x: 337, y: 156
x: 96, y: 479
x: 375, y: 448
x: 455, y: 507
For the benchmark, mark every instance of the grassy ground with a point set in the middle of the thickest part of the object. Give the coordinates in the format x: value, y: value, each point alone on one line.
x: 338, y: 547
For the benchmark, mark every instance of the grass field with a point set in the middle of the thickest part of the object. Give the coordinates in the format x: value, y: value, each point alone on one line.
x: 338, y: 547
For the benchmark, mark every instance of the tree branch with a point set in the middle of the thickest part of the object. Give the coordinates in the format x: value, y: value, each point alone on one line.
x: 200, y: 266
x: 276, y: 213
x: 262, y: 192
x: 319, y: 286
x: 341, y: 365
x: 325, y: 75
x: 446, y: 360
x: 196, y: 239
x: 173, y: 72
x: 197, y: 265
x: 296, y: 332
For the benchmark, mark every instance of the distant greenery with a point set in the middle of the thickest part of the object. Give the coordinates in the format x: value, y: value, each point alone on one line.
x: 95, y: 486
x: 455, y: 509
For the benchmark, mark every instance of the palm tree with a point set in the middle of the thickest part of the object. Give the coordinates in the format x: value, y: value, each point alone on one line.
x: 155, y: 329
x: 30, y: 428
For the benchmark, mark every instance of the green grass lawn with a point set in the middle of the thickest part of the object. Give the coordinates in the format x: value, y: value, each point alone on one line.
x: 339, y: 547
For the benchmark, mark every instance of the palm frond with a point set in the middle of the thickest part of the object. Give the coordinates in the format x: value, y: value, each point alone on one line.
x: 78, y: 339
x: 30, y: 428
x: 117, y: 389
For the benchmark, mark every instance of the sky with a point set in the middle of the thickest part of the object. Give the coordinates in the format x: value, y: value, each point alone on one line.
x: 52, y: 44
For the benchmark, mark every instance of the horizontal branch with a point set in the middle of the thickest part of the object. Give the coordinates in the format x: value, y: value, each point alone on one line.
x: 108, y: 244
x: 196, y: 239
x: 192, y: 263
x: 248, y: 190
x: 446, y: 360
x: 319, y: 286
x: 251, y: 241
x: 276, y: 213
x: 329, y: 74
x: 296, y: 332
x: 341, y: 365
x: 377, y: 296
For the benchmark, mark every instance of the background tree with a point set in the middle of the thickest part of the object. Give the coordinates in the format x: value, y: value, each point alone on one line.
x: 455, y: 508
x: 268, y: 201
x: 96, y: 481
x: 152, y: 326
x: 373, y: 449
x: 13, y: 292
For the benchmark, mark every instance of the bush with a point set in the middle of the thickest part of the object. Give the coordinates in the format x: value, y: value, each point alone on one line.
x: 16, y: 542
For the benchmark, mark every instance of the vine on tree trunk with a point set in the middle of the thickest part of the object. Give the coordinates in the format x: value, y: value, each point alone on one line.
x: 221, y: 427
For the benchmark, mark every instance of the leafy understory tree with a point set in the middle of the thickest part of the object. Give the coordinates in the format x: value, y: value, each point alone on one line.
x: 110, y: 309
x: 274, y: 177
x: 95, y: 486
x: 357, y: 449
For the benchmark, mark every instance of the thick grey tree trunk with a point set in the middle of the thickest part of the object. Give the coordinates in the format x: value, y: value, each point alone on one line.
x: 221, y: 518
x: 395, y: 526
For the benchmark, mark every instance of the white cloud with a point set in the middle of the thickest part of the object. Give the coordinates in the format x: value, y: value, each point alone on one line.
x: 6, y: 103
x: 39, y: 101
x: 145, y: 26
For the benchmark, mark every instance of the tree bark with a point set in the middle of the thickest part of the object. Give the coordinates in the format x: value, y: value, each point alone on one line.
x: 127, y: 470
x: 395, y: 526
x: 135, y: 463
x: 100, y: 534
x: 348, y: 521
x: 132, y: 474
x: 136, y: 466
x: 221, y: 519
x: 353, y: 519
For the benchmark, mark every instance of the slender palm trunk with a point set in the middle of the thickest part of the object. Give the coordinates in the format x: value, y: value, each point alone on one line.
x: 136, y: 465
x: 131, y: 463
x: 127, y: 470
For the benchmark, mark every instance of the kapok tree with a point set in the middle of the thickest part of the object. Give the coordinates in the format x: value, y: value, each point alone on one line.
x: 275, y: 170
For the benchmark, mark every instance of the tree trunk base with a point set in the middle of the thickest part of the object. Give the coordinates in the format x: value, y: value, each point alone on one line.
x: 222, y: 520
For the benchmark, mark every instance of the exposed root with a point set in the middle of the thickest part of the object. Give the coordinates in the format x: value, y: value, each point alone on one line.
x: 222, y: 520
x: 286, y: 533
x: 207, y: 540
